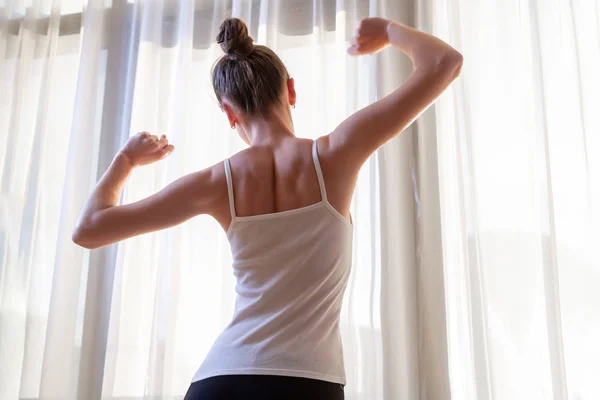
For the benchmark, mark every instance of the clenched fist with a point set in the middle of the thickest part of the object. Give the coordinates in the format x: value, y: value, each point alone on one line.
x: 370, y: 36
x: 144, y: 148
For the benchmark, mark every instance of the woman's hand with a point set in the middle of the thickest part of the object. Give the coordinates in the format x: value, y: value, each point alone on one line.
x: 143, y: 149
x: 370, y: 37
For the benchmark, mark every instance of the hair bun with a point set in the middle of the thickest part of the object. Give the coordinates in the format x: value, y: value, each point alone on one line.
x: 233, y: 38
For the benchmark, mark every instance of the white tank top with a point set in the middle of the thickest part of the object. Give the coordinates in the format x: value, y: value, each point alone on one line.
x: 291, y: 268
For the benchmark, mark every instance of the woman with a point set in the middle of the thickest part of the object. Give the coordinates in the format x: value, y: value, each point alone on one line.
x: 284, y: 203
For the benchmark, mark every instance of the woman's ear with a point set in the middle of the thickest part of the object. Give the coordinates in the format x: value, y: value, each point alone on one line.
x: 291, y: 91
x: 230, y: 114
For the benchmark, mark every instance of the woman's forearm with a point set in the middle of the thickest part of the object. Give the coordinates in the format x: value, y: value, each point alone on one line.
x: 424, y: 50
x: 106, y: 194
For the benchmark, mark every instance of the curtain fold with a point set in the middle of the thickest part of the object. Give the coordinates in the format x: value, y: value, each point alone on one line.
x: 517, y: 172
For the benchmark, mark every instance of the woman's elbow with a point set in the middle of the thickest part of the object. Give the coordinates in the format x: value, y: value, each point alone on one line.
x: 453, y: 61
x: 83, y: 235
x: 446, y: 67
x: 80, y: 238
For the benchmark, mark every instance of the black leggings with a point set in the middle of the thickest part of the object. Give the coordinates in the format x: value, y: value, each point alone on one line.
x: 263, y: 387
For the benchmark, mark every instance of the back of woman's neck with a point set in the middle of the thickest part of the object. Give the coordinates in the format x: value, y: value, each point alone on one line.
x: 270, y: 130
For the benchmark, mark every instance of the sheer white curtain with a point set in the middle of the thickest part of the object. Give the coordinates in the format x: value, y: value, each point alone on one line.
x: 518, y: 166
x: 474, y: 269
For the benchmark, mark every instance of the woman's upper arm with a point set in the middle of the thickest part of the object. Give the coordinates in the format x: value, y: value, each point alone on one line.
x: 360, y: 135
x: 197, y: 193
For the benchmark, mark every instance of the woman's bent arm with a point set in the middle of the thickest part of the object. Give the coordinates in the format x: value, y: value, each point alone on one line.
x: 436, y: 65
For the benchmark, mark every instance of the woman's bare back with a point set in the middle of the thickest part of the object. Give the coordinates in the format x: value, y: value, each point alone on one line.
x: 270, y: 180
x: 275, y: 179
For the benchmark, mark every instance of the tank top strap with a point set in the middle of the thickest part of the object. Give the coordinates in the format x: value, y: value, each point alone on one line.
x: 319, y: 172
x: 229, y: 187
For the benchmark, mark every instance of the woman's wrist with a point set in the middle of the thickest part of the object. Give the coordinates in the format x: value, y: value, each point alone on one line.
x: 124, y: 159
x: 395, y: 35
x: 388, y: 29
x: 408, y: 39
